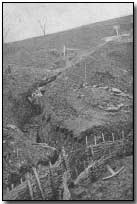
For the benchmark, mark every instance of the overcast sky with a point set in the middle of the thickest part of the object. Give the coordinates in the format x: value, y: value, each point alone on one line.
x: 22, y: 18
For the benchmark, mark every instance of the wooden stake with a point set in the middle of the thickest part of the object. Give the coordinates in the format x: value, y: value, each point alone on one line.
x: 30, y: 188
x: 12, y: 186
x: 64, y: 51
x: 113, y: 137
x: 95, y: 140
x: 38, y: 181
x: 92, y: 151
x: 103, y: 137
x: 50, y: 165
x: 17, y: 153
x: 21, y: 180
x: 86, y: 141
x: 85, y: 73
x: 123, y: 136
x: 44, y: 145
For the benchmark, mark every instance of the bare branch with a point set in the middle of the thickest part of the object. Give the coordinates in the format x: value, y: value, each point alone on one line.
x: 42, y: 26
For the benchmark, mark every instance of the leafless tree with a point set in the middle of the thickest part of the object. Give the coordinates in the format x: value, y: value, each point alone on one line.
x: 42, y: 26
x: 116, y: 28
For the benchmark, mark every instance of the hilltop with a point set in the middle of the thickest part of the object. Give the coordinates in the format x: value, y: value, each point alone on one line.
x: 34, y: 51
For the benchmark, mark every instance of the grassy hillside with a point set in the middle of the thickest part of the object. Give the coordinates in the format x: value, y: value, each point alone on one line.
x: 90, y: 93
x: 34, y: 51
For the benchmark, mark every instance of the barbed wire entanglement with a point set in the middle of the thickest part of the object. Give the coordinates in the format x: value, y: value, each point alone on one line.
x: 53, y: 184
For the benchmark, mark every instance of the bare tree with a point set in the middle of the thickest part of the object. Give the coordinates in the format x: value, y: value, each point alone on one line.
x: 116, y: 28
x: 42, y: 26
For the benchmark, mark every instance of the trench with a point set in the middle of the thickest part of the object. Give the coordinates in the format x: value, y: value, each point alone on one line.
x: 59, y: 136
x: 75, y: 148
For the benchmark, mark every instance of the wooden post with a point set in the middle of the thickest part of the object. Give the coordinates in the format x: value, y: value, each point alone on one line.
x: 64, y: 51
x: 95, y: 140
x: 117, y: 32
x: 92, y: 151
x: 38, y: 182
x: 123, y: 134
x: 30, y: 188
x: 12, y: 186
x: 103, y: 137
x: 21, y: 181
x: 65, y: 157
x: 85, y: 74
x: 113, y: 137
x: 86, y: 141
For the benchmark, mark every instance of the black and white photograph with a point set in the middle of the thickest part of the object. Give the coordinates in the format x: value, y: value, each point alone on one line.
x: 68, y: 101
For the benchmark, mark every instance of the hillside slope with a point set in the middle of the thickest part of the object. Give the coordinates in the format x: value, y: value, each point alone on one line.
x: 34, y: 51
x: 69, y: 100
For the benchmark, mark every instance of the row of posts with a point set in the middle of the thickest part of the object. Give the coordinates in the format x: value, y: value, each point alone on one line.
x: 103, y: 138
x: 87, y: 147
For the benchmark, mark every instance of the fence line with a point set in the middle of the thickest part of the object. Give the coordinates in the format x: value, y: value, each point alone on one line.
x: 100, y: 153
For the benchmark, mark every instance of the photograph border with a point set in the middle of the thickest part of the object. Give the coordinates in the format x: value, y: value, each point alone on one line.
x: 134, y: 155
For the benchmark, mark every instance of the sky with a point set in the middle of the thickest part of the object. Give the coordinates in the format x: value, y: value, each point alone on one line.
x: 21, y: 20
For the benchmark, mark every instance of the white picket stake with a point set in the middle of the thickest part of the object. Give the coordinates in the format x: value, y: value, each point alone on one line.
x: 92, y: 151
x: 123, y: 134
x: 30, y: 189
x: 103, y: 137
x: 12, y: 186
x: 86, y: 141
x: 64, y: 50
x: 113, y: 136
x: 21, y: 181
x: 85, y: 73
x: 95, y: 140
